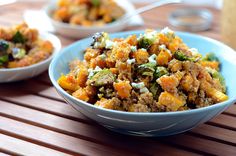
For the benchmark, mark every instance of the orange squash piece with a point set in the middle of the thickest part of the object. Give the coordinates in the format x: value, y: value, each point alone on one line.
x: 123, y: 89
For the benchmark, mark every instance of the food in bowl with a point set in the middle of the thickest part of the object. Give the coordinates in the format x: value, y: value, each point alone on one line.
x: 87, y: 12
x: 152, y: 72
x: 21, y: 46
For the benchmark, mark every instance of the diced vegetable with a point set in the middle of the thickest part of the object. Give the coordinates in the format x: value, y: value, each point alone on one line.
x: 103, y: 77
x: 132, y: 40
x: 99, y: 40
x: 18, y: 53
x: 210, y: 57
x: 81, y: 94
x: 3, y: 59
x: 179, y: 55
x: 123, y: 88
x: 146, y: 69
x: 4, y: 45
x: 163, y: 57
x: 216, y: 75
x: 66, y: 84
x: 171, y: 101
x: 160, y: 71
x: 216, y: 95
x: 146, y: 40
x: 81, y: 77
x: 18, y: 38
x: 95, y: 3
x: 168, y: 83
x: 211, y: 64
x: 141, y: 56
x: 187, y: 82
x: 155, y: 89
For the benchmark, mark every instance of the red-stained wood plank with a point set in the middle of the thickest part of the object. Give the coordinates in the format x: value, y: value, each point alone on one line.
x: 56, y: 140
x: 26, y: 148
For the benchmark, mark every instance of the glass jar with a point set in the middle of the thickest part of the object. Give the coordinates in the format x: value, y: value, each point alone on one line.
x: 228, y: 23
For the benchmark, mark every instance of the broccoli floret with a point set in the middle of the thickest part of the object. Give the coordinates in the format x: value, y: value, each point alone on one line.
x: 146, y: 40
x: 210, y: 57
x: 3, y: 59
x: 147, y: 69
x: 179, y: 55
x: 18, y: 38
x: 160, y: 71
x: 95, y: 3
x: 103, y: 77
x: 99, y: 40
x: 155, y: 89
x: 4, y: 45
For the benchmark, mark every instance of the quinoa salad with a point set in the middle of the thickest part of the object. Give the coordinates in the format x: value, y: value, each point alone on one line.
x: 87, y: 12
x: 21, y: 46
x: 151, y: 72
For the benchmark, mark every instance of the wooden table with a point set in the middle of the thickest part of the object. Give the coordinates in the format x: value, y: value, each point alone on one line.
x: 35, y: 120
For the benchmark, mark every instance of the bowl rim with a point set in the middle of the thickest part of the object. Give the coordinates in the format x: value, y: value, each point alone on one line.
x: 226, y: 103
x: 57, y: 48
x: 47, y: 9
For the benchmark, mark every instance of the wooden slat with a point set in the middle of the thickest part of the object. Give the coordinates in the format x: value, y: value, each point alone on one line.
x: 224, y: 121
x: 38, y: 117
x: 76, y: 129
x: 55, y: 140
x: 216, y: 133
x: 208, y: 146
x: 42, y: 104
x: 25, y: 148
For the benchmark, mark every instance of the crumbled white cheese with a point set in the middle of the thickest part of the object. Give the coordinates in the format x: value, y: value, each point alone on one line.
x: 93, y: 71
x: 133, y: 48
x: 144, y: 90
x: 150, y: 35
x: 109, y: 44
x: 163, y: 47
x: 130, y: 61
x: 143, y: 49
x: 103, y: 56
x: 138, y: 85
x: 97, y: 44
x: 194, y: 51
x: 166, y: 31
x: 152, y: 59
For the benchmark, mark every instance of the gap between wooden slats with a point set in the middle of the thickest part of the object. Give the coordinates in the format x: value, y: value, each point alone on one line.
x: 73, y: 129
x: 20, y: 147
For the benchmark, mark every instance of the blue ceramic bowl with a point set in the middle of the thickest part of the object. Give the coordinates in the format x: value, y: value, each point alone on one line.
x: 150, y: 124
